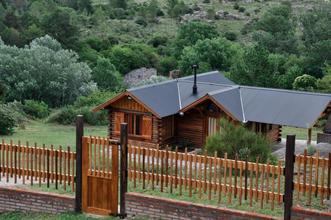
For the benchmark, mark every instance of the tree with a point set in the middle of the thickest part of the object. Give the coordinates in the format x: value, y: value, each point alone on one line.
x: 305, y: 83
x: 275, y: 30
x: 127, y: 57
x: 119, y: 3
x: 85, y: 5
x: 166, y: 65
x: 256, y: 66
x: 210, y: 54
x: 189, y: 33
x: 324, y: 84
x: 59, y: 24
x: 106, y: 76
x: 177, y: 8
x: 317, y: 38
x: 44, y: 71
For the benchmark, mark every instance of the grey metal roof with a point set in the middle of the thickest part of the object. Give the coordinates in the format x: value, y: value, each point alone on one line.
x: 167, y: 98
x: 283, y: 107
x: 273, y: 106
x: 230, y: 99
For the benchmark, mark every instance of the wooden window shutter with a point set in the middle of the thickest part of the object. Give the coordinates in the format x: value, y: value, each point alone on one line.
x: 147, y: 127
x: 119, y: 118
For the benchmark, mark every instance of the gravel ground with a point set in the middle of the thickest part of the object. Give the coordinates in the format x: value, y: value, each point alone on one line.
x: 300, y: 146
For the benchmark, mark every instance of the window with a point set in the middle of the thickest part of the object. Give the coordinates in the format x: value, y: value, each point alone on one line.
x: 134, y: 123
x: 212, y: 125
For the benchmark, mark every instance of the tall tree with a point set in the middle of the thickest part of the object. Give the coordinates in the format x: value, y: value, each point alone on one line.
x: 317, y: 38
x: 275, y: 30
x: 59, y: 24
x: 210, y: 54
x: 43, y: 71
x: 189, y: 33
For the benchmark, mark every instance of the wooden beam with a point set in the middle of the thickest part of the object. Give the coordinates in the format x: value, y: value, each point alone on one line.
x: 309, y: 136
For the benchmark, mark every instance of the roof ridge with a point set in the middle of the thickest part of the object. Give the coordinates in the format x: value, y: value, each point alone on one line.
x: 200, y: 74
x: 223, y: 90
x: 286, y: 90
x: 208, y: 83
x: 173, y: 80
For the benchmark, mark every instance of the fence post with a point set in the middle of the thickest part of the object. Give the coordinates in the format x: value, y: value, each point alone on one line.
x: 124, y: 168
x: 289, y: 173
x: 79, y: 148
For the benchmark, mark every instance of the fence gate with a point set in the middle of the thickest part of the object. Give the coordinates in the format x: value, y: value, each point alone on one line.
x: 100, y: 176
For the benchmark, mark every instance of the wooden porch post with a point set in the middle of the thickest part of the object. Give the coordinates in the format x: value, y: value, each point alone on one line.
x: 309, y: 136
x: 124, y: 169
x: 289, y: 173
x: 79, y: 148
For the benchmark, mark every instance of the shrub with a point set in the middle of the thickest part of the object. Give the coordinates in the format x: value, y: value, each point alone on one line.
x: 93, y: 118
x: 305, y: 83
x: 311, y: 150
x: 241, y: 9
x: 236, y: 139
x: 36, y: 109
x: 232, y: 36
x: 94, y: 99
x: 64, y: 116
x: 236, y: 6
x: 7, y: 120
x: 166, y: 65
x: 141, y: 21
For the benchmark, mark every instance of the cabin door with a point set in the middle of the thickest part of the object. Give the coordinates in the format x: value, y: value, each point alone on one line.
x: 212, y: 125
x: 100, y: 176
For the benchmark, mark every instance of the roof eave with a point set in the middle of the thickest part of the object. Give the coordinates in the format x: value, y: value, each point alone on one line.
x: 208, y: 97
x: 126, y: 93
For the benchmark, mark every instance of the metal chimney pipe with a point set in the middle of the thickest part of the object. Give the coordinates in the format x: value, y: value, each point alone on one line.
x: 195, y: 87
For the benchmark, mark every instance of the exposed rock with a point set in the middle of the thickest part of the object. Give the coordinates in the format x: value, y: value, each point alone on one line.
x: 224, y: 15
x: 133, y: 77
x: 195, y: 16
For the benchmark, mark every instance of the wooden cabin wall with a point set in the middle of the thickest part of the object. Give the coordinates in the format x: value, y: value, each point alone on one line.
x: 167, y: 130
x: 192, y: 127
x: 129, y: 105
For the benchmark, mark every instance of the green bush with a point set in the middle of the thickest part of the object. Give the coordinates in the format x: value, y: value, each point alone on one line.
x: 236, y: 139
x: 36, y: 109
x: 311, y: 150
x: 7, y: 120
x: 67, y: 115
x: 241, y: 9
x: 232, y: 36
x: 236, y: 6
x: 94, y: 99
x: 64, y: 116
x: 93, y: 118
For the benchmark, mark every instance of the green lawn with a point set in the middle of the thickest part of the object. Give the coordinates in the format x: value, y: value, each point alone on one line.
x: 300, y: 133
x: 49, y: 133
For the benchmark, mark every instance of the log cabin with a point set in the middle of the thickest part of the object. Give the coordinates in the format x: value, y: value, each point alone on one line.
x: 188, y: 110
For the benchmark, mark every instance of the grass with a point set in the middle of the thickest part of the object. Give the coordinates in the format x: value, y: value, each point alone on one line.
x: 301, y: 133
x: 49, y: 133
x: 39, y: 216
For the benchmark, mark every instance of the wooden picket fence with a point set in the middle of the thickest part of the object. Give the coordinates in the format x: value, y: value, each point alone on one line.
x: 35, y: 165
x: 313, y: 174
x: 200, y: 176
x: 216, y: 178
